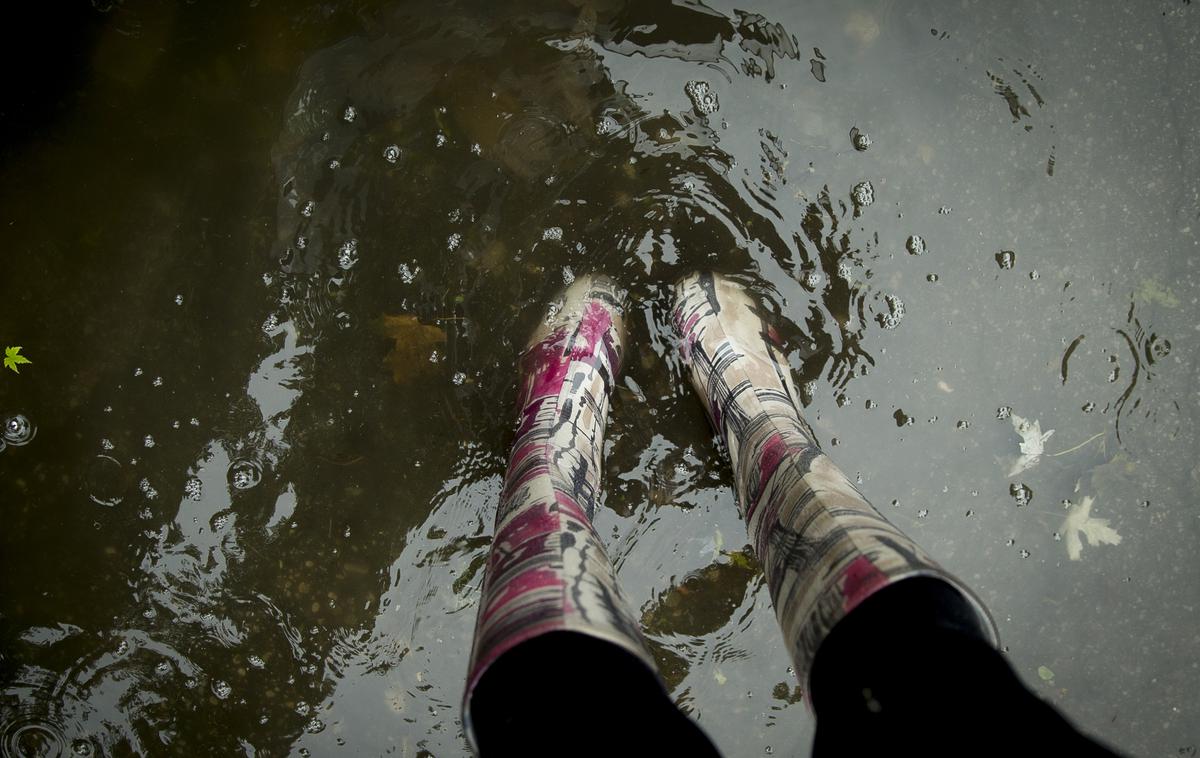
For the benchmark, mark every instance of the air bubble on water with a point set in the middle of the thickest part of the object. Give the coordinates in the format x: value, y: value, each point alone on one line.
x: 179, y: 299
x: 271, y: 323
x: 568, y: 275
x: 343, y: 320
x: 902, y: 418
x: 106, y: 444
x: 552, y: 233
x: 348, y: 254
x: 863, y: 194
x: 158, y: 381
x: 193, y: 488
x: 194, y: 421
x: 962, y: 425
x: 391, y: 153
x: 923, y: 513
x: 147, y: 489
x: 1010, y: 542
x: 607, y: 125
x: 82, y: 748
x: 895, y: 501
x: 149, y: 613
x: 1020, y: 493
x: 1114, y: 374
x: 915, y: 245
x: 453, y: 241
x: 1034, y: 275
x: 1143, y: 503
x: 1003, y: 412
x: 1057, y: 537
x: 407, y: 274
x: 870, y: 404
x: 148, y: 441
x: 303, y: 708
x: 439, y: 140
x: 932, y: 278
x: 221, y: 689
x: 1006, y: 259
x: 138, y: 372
x: 860, y: 139
x: 307, y: 209
x: 301, y: 242
x: 219, y: 521
x: 434, y: 357
x: 314, y: 726
x: 334, y: 164
x: 844, y: 270
x: 476, y: 149
x: 256, y: 662
x: 704, y: 100
x: 1088, y: 407
x: 970, y: 513
x: 350, y: 114
x: 108, y: 409
x: 944, y: 210
x: 122, y: 647
x: 163, y: 668
x: 812, y: 280
x: 244, y: 474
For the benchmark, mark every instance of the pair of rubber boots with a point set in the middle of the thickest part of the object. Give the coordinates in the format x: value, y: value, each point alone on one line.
x: 823, y: 548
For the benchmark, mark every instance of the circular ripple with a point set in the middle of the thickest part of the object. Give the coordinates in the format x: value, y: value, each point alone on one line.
x: 18, y: 430
x: 244, y: 474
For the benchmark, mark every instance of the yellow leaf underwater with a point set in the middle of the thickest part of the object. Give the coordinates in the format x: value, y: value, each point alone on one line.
x: 414, y: 348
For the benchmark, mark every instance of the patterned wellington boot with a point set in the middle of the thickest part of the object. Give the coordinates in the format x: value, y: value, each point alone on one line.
x: 555, y: 642
x: 823, y: 547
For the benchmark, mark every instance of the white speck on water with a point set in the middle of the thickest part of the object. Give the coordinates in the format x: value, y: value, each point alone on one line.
x: 147, y: 489
x: 391, y: 153
x: 148, y: 440
x: 137, y: 372
x: 476, y: 149
x: 158, y: 382
x: 309, y: 207
x: 350, y: 114
x: 179, y: 299
x: 221, y: 689
x: 348, y: 254
x: 193, y: 488
x: 407, y: 274
x: 106, y: 444
x: 453, y: 241
x: 439, y: 140
x: 552, y: 233
x: 334, y: 164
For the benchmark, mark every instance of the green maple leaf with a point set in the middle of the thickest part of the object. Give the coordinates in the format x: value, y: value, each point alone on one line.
x: 13, y: 358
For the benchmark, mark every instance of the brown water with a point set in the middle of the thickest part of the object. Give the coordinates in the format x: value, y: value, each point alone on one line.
x: 272, y: 266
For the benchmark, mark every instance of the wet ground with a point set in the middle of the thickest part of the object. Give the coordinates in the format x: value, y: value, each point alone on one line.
x: 272, y: 268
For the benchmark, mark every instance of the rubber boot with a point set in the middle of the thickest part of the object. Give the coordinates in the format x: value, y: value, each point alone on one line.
x: 823, y: 547
x: 548, y: 570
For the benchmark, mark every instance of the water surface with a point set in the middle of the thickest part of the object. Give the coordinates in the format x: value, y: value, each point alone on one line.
x: 273, y: 267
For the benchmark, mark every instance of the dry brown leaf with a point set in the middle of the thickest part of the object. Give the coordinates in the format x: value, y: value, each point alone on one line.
x: 413, y: 348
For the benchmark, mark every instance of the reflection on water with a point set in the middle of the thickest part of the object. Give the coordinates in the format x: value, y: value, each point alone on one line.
x: 275, y: 267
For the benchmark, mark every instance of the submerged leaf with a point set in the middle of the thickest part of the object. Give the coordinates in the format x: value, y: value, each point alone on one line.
x: 1080, y: 521
x: 1033, y: 443
x: 413, y: 354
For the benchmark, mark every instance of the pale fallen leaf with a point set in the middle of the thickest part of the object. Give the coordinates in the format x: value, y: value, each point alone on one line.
x: 415, y: 343
x: 1033, y: 443
x: 1080, y: 521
